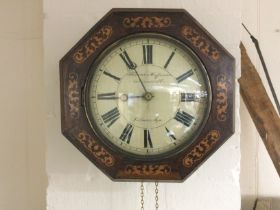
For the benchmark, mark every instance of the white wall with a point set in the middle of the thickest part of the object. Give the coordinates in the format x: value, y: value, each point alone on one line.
x: 75, y: 183
x: 22, y: 151
x: 269, y: 24
x: 258, y: 175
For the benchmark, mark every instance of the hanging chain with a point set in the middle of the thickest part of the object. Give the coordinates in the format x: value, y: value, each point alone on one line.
x: 156, y: 195
x: 142, y: 195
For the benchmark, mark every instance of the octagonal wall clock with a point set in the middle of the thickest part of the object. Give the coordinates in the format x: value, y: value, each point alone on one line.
x: 147, y: 94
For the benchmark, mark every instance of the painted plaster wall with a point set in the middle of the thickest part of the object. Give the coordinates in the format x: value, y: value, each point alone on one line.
x: 22, y: 151
x: 74, y: 183
x: 269, y: 28
x: 258, y: 175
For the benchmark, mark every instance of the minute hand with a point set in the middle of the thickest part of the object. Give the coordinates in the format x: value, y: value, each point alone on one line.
x: 140, y: 79
x: 131, y: 65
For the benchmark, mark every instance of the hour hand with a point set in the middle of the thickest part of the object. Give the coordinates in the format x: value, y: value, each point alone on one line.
x: 125, y: 97
x: 113, y: 96
x: 147, y: 96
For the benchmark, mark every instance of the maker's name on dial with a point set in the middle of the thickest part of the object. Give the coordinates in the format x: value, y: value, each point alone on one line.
x: 156, y: 119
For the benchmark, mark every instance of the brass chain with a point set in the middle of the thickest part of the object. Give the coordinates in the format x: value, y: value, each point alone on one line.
x: 156, y: 195
x: 142, y: 195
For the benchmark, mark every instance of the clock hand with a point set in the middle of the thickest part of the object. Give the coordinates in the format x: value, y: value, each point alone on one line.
x: 136, y: 96
x: 134, y: 68
x: 148, y: 95
x: 125, y: 97
x: 113, y: 96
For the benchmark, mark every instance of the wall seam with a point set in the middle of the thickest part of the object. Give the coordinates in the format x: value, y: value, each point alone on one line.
x: 257, y: 136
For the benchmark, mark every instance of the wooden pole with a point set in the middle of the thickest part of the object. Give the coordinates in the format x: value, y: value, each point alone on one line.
x: 260, y: 108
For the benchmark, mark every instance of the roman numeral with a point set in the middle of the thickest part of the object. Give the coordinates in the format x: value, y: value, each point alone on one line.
x: 126, y: 134
x: 169, y: 59
x: 184, y: 118
x: 196, y: 97
x: 106, y: 96
x: 126, y: 59
x: 110, y: 117
x: 112, y: 76
x: 187, y: 97
x: 170, y: 134
x: 148, y: 54
x: 147, y: 139
x: 184, y: 76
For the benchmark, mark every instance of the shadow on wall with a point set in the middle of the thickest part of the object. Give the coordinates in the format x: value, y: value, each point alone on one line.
x: 251, y: 203
x: 268, y: 204
x: 248, y: 202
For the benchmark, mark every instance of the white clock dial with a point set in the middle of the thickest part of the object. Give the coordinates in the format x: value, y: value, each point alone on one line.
x: 148, y: 95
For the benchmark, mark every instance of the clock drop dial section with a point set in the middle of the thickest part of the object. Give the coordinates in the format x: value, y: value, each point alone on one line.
x: 148, y: 95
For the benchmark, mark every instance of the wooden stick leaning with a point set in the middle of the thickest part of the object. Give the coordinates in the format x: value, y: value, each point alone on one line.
x: 260, y: 108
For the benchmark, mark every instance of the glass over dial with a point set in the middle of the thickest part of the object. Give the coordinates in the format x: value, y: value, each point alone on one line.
x: 148, y: 95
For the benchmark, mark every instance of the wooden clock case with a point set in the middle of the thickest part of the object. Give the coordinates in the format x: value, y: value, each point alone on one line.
x: 115, y: 25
